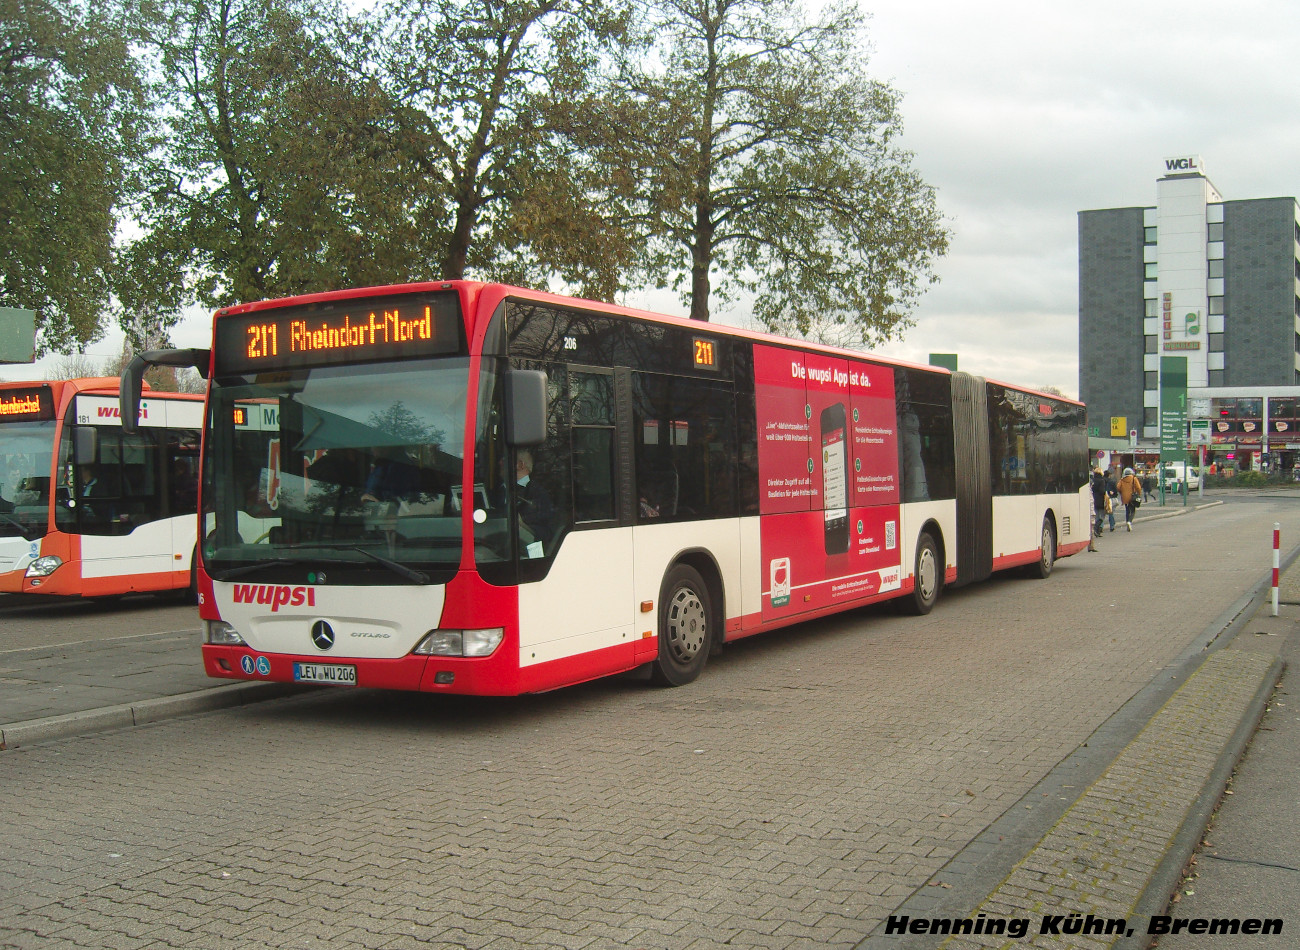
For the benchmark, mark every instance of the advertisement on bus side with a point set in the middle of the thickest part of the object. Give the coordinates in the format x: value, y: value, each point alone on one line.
x: 828, y: 476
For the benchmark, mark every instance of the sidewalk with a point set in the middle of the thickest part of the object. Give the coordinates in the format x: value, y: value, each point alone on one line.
x: 1152, y: 511
x: 1115, y: 858
x: 79, y: 688
x: 1248, y: 863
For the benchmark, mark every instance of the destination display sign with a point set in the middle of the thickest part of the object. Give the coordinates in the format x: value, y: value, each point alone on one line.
x: 705, y: 353
x: 357, y: 330
x: 29, y: 404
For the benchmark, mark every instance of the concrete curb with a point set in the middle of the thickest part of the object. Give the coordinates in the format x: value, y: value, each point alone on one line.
x: 1159, y: 514
x: 1168, y: 874
x: 1168, y: 512
x: 1128, y: 829
x: 971, y: 882
x: 15, y: 735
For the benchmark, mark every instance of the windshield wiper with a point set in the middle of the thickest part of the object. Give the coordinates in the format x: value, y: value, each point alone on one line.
x: 232, y: 573
x: 22, y: 528
x: 419, y: 577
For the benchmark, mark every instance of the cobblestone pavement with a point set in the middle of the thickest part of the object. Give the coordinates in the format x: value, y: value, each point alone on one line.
x: 1094, y: 865
x: 812, y: 782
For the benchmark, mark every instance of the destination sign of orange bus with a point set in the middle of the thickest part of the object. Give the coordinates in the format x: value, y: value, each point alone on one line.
x: 26, y: 404
x: 347, y: 334
x: 19, y: 405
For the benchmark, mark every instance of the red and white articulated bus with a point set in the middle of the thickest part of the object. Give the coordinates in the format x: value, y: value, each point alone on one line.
x: 88, y: 509
x: 473, y: 488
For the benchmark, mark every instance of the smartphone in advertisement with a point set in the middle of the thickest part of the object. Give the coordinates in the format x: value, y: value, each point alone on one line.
x: 835, y: 482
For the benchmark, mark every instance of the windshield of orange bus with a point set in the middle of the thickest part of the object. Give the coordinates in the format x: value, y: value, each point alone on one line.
x: 26, y: 451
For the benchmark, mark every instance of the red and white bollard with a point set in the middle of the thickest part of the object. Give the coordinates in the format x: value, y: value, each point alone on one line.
x: 1277, y: 539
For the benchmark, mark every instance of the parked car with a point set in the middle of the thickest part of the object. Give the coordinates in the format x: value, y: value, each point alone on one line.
x: 1175, y: 474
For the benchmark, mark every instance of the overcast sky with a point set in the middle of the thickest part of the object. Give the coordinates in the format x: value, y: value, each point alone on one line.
x: 1022, y: 114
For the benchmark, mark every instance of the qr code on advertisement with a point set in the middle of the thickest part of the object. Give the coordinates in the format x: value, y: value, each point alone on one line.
x: 891, y: 535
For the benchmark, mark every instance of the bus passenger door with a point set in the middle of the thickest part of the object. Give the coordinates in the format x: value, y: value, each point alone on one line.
x: 126, y: 541
x: 576, y: 581
x: 181, y: 474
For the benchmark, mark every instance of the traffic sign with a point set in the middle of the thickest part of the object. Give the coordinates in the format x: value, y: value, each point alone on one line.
x: 1173, y: 409
x: 17, y: 335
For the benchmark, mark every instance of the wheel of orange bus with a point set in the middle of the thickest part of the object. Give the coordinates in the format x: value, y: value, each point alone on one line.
x: 1047, y: 554
x: 685, y: 627
x: 928, y: 576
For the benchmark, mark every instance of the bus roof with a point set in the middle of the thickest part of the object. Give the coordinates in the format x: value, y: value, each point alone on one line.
x: 474, y: 293
x: 107, y: 384
x: 63, y: 390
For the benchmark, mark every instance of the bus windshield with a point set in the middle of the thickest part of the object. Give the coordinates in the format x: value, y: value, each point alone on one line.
x: 26, y: 453
x: 354, y: 471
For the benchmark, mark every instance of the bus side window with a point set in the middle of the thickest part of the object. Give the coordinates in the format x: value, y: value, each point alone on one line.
x: 925, y: 436
x: 684, y: 430
x: 592, y: 418
x: 99, y: 493
x: 184, y: 486
x: 552, y: 467
x: 181, y: 462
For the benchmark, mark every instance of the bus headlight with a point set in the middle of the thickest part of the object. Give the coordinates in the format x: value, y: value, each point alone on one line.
x: 460, y: 642
x: 220, y: 633
x: 44, y: 566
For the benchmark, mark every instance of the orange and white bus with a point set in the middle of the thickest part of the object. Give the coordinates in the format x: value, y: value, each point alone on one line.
x: 472, y: 488
x: 87, y: 509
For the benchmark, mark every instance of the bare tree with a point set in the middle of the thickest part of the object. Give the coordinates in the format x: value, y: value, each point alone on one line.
x: 81, y: 366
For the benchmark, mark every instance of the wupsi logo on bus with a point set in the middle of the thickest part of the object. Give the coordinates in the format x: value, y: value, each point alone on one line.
x: 275, y: 595
x: 115, y: 412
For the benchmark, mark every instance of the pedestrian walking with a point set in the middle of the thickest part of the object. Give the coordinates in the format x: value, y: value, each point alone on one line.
x: 1112, y: 499
x: 1098, y: 500
x: 1149, y: 485
x: 1092, y: 520
x: 1130, y: 492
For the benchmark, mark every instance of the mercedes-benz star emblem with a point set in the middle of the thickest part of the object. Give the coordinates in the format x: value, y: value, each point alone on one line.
x: 322, y: 634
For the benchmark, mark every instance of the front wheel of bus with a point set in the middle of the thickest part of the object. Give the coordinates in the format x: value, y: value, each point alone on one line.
x: 685, y: 627
x: 1047, y: 553
x: 927, y: 577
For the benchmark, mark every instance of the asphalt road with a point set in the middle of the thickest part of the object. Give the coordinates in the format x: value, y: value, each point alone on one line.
x: 26, y: 623
x: 807, y: 785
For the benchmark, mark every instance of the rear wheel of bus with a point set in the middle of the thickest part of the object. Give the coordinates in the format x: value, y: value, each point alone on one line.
x: 927, y: 577
x: 685, y: 627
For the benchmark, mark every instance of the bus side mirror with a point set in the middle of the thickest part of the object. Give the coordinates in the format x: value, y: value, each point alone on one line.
x: 83, y: 438
x: 525, y: 391
x: 128, y: 394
